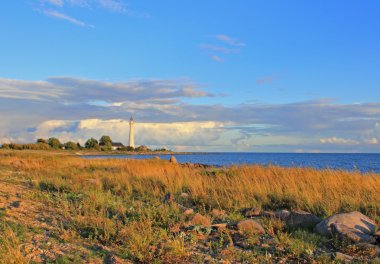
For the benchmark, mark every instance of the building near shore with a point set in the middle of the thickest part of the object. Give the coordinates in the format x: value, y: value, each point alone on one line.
x: 117, y: 145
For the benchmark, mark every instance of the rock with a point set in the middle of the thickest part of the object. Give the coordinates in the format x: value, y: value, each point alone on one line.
x: 173, y: 160
x: 218, y: 213
x: 188, y: 211
x: 282, y: 214
x: 341, y: 257
x: 302, y: 219
x: 345, y: 233
x: 251, y: 212
x: 267, y: 214
x: 185, y: 210
x: 354, y: 221
x: 199, y: 219
x: 184, y: 195
x: 250, y: 226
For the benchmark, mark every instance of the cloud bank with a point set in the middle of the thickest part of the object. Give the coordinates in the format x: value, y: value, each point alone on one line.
x: 168, y: 113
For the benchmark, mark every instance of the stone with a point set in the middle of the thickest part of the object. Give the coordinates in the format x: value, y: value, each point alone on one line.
x: 345, y: 233
x: 302, y: 219
x: 185, y: 210
x: 267, y: 214
x: 184, y: 195
x: 199, y: 219
x: 250, y: 226
x: 173, y: 160
x: 218, y: 213
x: 282, y: 214
x: 251, y: 212
x: 341, y: 257
x: 354, y: 221
x: 188, y: 211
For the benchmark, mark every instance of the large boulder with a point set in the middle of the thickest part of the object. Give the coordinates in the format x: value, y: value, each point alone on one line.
x: 354, y: 226
x: 250, y: 226
x: 302, y: 219
x: 345, y: 233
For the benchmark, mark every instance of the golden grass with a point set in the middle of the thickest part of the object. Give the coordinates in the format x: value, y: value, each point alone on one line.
x: 120, y: 204
x: 11, y: 249
x: 319, y: 191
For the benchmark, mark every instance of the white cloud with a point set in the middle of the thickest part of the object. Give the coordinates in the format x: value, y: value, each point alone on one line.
x: 224, y: 45
x: 217, y: 58
x: 229, y: 40
x: 61, y: 16
x: 220, y: 49
x: 371, y: 141
x: 26, y: 105
x: 339, y: 141
x: 173, y: 134
x: 113, y: 5
x: 38, y: 90
x: 59, y: 3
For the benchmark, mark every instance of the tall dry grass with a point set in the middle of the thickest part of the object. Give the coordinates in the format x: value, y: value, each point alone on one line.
x: 322, y: 192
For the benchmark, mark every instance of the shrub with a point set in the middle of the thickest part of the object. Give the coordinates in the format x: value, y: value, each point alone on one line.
x: 92, y: 143
x: 54, y: 143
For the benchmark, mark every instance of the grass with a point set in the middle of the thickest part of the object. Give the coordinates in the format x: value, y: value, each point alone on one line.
x: 119, y: 205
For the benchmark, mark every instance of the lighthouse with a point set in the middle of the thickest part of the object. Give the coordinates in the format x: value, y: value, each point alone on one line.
x: 131, y: 135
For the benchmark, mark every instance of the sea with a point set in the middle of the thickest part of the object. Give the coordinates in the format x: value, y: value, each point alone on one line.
x: 365, y: 163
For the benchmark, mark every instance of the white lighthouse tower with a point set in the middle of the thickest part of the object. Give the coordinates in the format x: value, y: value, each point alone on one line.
x: 131, y: 135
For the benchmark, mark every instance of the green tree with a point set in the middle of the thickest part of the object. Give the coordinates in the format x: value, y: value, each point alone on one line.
x: 41, y: 140
x: 71, y: 145
x: 54, y: 143
x: 105, y: 141
x: 129, y: 148
x: 92, y: 143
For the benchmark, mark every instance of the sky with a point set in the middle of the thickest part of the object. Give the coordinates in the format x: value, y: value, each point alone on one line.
x: 201, y: 75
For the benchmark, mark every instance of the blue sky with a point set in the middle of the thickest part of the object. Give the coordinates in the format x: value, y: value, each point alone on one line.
x: 301, y: 62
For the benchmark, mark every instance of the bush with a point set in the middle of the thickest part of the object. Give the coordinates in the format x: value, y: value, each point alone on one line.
x: 92, y: 143
x: 54, y: 143
x: 71, y: 145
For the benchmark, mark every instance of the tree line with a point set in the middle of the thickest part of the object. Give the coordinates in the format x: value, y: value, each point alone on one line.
x: 103, y: 144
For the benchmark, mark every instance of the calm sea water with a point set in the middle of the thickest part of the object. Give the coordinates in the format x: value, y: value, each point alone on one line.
x: 361, y: 162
